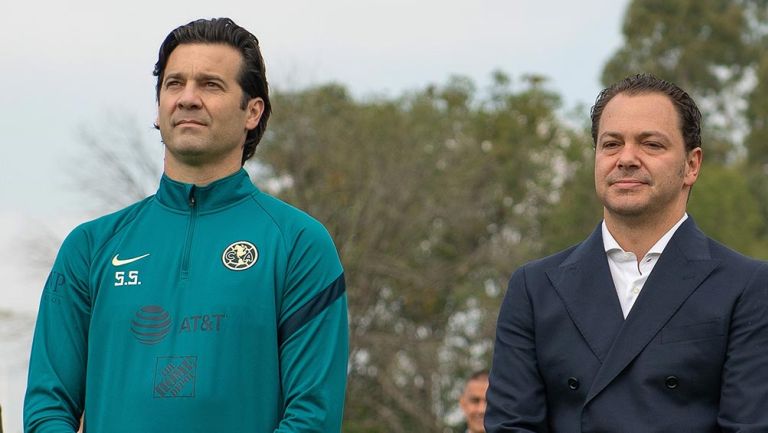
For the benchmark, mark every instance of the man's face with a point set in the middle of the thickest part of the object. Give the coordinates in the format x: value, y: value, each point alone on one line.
x: 199, y: 111
x: 641, y: 166
x: 472, y: 403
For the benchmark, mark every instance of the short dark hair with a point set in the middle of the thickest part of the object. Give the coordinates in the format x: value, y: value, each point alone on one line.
x: 478, y: 375
x: 688, y: 112
x: 252, y: 78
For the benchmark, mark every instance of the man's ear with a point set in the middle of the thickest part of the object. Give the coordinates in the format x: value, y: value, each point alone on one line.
x: 254, y: 110
x: 692, y: 166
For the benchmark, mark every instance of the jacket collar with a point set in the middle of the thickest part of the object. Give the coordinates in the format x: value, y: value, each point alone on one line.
x: 210, y: 198
x: 584, y: 283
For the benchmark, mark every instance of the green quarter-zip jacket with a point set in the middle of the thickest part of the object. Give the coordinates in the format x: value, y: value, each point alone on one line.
x: 198, y: 309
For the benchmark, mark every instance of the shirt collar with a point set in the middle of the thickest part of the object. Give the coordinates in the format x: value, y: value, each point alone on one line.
x: 216, y: 195
x: 610, y: 244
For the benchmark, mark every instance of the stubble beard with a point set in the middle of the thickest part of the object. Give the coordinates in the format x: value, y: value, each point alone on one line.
x: 643, y: 208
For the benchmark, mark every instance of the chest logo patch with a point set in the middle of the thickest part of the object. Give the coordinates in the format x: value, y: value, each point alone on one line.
x: 240, y: 256
x: 120, y: 262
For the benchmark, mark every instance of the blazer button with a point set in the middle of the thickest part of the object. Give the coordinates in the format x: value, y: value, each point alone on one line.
x: 671, y: 382
x: 573, y: 383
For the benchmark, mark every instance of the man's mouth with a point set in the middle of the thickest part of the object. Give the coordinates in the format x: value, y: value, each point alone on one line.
x: 627, y: 182
x: 189, y: 122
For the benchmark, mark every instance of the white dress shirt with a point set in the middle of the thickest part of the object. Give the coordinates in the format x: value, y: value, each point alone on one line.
x: 629, y: 274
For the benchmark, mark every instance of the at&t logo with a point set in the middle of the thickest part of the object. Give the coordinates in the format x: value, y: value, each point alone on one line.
x: 151, y: 324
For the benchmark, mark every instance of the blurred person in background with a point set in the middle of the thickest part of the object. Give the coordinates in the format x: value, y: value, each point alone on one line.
x: 472, y: 402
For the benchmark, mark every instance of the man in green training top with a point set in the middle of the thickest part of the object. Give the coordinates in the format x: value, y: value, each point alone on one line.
x: 210, y: 306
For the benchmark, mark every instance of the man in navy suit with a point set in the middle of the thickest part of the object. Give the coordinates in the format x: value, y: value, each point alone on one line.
x: 647, y: 325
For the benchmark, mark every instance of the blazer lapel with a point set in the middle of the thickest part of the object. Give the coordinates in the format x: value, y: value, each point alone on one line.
x: 681, y: 268
x: 584, y: 283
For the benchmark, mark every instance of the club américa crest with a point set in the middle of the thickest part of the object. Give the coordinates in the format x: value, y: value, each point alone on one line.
x: 240, y: 256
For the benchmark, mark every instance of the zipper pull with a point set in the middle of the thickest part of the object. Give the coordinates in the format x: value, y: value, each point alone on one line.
x: 192, y: 200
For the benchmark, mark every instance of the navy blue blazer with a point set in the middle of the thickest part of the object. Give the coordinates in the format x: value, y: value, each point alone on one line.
x: 691, y: 356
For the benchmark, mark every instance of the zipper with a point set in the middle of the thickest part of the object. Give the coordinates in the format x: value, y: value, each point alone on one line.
x: 190, y: 234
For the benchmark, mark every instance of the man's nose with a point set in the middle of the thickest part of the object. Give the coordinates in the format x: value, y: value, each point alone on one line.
x: 628, y: 155
x: 189, y: 97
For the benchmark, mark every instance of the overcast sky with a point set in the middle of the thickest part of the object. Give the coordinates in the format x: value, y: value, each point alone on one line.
x: 87, y: 64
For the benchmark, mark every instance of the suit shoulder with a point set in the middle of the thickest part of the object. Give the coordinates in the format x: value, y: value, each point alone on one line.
x: 550, y: 261
x: 732, y: 258
x: 534, y: 273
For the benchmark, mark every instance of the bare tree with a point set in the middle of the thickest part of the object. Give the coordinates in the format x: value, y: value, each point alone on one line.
x: 117, y: 165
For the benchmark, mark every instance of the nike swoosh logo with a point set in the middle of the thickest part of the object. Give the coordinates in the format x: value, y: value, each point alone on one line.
x: 118, y: 262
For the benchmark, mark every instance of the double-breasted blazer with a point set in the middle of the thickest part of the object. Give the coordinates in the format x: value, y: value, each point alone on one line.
x: 691, y: 356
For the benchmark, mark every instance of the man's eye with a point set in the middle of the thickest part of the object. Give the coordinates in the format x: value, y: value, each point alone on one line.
x: 172, y: 83
x: 212, y: 85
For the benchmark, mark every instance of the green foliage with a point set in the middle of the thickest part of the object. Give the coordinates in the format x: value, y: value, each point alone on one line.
x: 711, y: 48
x: 578, y: 210
x: 725, y: 208
x: 757, y: 118
x: 684, y: 41
x: 433, y: 198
